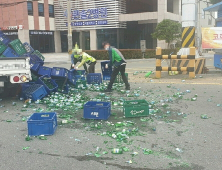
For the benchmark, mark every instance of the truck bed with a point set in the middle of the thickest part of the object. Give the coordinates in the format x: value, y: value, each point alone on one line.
x: 15, y: 66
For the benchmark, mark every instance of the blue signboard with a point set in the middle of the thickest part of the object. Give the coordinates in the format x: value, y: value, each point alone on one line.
x: 90, y: 15
x: 89, y: 23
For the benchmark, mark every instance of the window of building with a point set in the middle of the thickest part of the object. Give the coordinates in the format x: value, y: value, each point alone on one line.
x: 41, y: 9
x: 51, y: 11
x: 170, y: 4
x: 30, y: 8
x: 109, y: 35
x: 139, y: 6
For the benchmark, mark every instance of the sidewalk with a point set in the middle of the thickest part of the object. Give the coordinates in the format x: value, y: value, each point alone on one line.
x: 65, y: 58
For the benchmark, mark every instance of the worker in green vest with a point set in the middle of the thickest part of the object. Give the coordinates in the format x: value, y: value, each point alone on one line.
x: 118, y: 62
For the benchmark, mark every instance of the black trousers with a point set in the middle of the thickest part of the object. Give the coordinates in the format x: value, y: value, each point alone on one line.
x: 115, y: 72
x: 91, y: 68
x: 76, y: 61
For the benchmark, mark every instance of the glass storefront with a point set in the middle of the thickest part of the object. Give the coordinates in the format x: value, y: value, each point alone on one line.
x: 109, y: 35
x: 64, y: 40
x: 42, y: 41
x: 136, y: 32
x: 128, y: 38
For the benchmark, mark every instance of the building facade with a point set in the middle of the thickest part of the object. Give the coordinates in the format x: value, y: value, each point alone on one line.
x: 31, y: 21
x: 121, y: 22
x: 124, y: 23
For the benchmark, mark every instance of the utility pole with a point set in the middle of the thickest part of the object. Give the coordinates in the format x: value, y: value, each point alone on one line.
x: 69, y: 26
x: 196, y: 23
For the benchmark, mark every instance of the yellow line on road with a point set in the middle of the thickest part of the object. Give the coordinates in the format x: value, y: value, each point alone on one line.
x: 185, y: 83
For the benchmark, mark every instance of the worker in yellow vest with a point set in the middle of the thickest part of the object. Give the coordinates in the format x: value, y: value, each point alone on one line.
x: 83, y: 58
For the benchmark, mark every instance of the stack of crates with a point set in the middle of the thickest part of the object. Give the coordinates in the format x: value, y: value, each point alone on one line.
x: 35, y: 62
x: 28, y: 48
x: 2, y: 47
x: 36, y: 52
x: 44, y: 71
x: 18, y: 47
x: 9, y: 52
x: 4, y: 39
x: 106, y: 72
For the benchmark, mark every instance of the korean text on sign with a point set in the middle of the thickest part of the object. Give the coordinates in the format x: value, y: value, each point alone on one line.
x: 89, y: 14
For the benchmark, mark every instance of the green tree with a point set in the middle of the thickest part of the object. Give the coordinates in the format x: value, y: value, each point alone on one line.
x: 214, y: 1
x: 167, y: 30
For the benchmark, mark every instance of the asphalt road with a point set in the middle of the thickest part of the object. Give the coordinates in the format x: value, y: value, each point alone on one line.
x: 176, y: 134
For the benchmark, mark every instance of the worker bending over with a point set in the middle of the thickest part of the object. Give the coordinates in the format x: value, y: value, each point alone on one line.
x: 83, y: 58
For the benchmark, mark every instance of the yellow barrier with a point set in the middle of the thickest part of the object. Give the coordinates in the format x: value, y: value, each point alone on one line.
x: 190, y: 68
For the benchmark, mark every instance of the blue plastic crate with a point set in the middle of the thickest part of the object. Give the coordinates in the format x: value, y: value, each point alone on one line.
x: 107, y: 71
x: 106, y: 77
x: 51, y: 82
x: 218, y: 61
x: 28, y: 48
x: 94, y: 78
x: 97, y: 110
x: 24, y: 87
x: 34, y: 59
x: 9, y: 52
x: 44, y: 71
x: 35, y: 67
x: 71, y: 77
x: 4, y: 39
x: 42, y: 124
x: 35, y: 92
x: 58, y: 72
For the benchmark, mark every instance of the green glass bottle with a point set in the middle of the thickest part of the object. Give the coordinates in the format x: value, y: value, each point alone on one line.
x: 117, y: 151
x: 148, y: 74
x: 193, y: 99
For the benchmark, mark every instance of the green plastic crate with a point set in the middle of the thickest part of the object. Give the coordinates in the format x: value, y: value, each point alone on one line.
x: 36, y: 52
x: 18, y: 47
x: 136, y: 108
x: 119, y: 78
x: 2, y: 47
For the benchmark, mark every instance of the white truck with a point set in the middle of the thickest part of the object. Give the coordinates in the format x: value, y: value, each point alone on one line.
x: 13, y: 71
